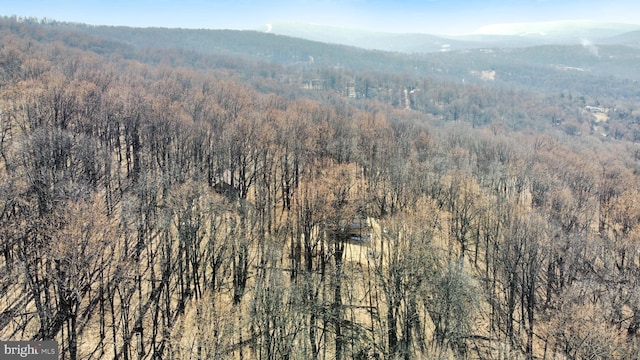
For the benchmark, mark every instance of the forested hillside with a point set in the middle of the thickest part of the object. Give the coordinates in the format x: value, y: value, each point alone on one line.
x: 177, y: 203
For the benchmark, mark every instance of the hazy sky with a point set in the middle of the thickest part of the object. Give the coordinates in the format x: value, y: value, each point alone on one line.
x: 426, y: 16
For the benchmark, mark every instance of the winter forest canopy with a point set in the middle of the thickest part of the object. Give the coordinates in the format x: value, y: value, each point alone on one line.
x: 178, y: 194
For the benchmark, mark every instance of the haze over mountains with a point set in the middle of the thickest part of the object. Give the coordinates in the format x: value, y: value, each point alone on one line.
x: 511, y: 35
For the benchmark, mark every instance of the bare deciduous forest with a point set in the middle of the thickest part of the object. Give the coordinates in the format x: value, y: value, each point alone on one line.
x: 167, y: 203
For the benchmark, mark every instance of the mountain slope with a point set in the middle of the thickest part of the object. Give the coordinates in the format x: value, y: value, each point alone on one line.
x: 581, y: 68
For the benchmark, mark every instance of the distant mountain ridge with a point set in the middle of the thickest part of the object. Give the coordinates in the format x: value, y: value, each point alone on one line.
x: 554, y: 68
x: 513, y: 35
x: 559, y: 29
x: 631, y: 38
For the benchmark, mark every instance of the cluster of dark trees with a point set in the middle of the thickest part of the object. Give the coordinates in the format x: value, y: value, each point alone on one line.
x: 165, y: 205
